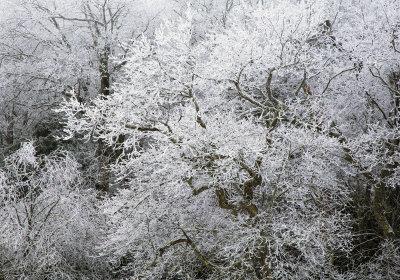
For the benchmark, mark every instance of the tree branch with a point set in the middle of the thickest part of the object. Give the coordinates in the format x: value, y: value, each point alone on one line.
x: 162, y: 250
x: 380, y: 109
x: 268, y: 89
x: 396, y: 92
x: 246, y: 97
x: 335, y: 76
x: 197, y: 252
x: 80, y: 19
x: 144, y: 129
x: 195, y: 191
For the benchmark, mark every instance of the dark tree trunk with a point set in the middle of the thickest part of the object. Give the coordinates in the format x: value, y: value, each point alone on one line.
x: 104, y: 152
x: 9, y: 139
x: 103, y: 160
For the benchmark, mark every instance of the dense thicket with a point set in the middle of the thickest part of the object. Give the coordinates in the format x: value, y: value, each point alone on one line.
x: 218, y: 140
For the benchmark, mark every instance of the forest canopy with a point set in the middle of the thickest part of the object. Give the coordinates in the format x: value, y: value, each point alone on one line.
x: 215, y: 139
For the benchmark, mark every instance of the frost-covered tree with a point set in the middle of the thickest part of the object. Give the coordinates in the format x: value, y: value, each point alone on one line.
x: 230, y: 170
x: 363, y: 112
x: 48, y: 48
x: 48, y: 227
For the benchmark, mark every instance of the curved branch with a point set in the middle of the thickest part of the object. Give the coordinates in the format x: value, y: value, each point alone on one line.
x: 246, y: 97
x: 197, y: 252
x: 396, y: 92
x: 268, y: 89
x: 380, y: 109
x: 162, y: 250
x: 335, y: 76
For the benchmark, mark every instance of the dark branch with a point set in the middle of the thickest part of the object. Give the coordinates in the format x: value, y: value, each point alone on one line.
x: 335, y: 76
x: 380, y: 109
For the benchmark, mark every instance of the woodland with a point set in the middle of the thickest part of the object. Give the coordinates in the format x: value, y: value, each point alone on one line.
x: 201, y: 139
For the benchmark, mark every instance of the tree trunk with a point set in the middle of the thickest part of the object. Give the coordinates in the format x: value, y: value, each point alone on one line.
x: 378, y: 205
x: 9, y: 139
x: 103, y: 161
x: 104, y: 152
